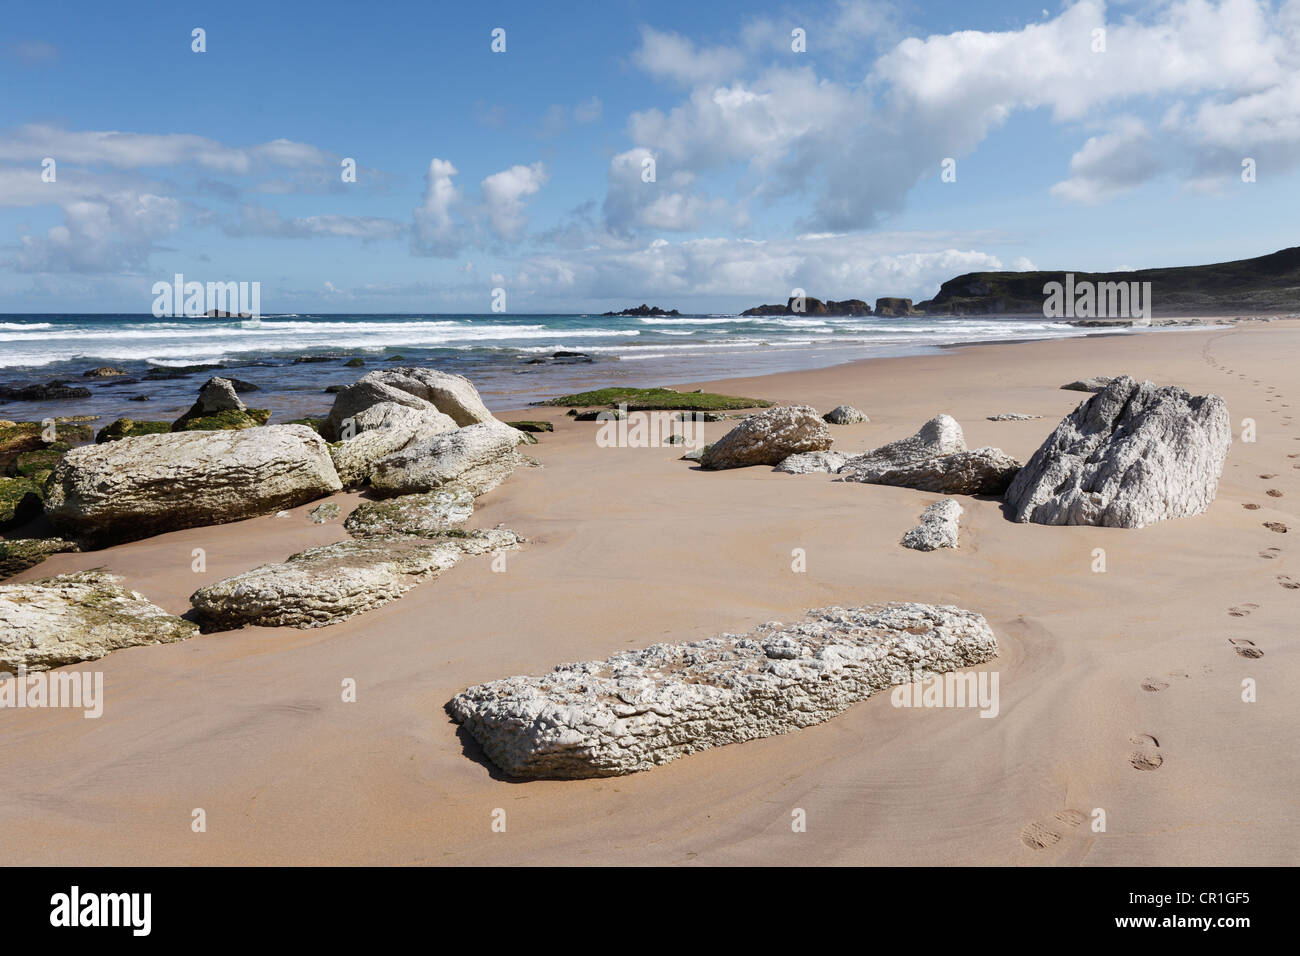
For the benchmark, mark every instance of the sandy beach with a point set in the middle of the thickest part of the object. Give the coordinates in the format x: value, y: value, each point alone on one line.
x: 1120, y: 691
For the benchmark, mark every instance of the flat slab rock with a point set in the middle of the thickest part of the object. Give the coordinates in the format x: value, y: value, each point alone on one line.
x: 644, y: 708
x: 139, y: 486
x: 1130, y: 455
x: 981, y: 471
x: 78, y: 617
x: 938, y: 528
x: 334, y: 582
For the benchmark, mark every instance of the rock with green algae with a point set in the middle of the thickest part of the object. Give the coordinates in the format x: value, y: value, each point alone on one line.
x: 78, y: 617
x: 20, y: 499
x: 421, y: 515
x: 130, y: 427
x: 19, y: 554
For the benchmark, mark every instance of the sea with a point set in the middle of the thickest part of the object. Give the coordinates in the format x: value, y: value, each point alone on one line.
x: 512, y: 359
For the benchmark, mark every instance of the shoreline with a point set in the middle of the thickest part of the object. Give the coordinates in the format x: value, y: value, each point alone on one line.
x: 628, y: 547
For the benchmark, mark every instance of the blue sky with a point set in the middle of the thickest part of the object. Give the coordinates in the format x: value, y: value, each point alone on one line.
x: 522, y: 170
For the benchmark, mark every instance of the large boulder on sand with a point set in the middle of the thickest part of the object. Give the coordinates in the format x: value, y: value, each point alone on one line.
x: 381, y: 430
x: 78, y: 617
x: 336, y: 581
x: 844, y: 415
x: 428, y: 515
x: 1130, y: 455
x: 421, y: 388
x: 136, y: 487
x: 769, y: 437
x: 639, y: 709
x: 478, y: 457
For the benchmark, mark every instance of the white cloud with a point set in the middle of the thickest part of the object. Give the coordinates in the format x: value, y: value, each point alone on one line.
x: 435, y: 231
x: 1110, y: 164
x: 114, y: 233
x: 260, y: 221
x: 672, y: 57
x: 504, y: 194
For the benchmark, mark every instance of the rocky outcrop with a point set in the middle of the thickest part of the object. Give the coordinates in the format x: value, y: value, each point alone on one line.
x: 1094, y: 384
x: 136, y: 487
x: 78, y: 617
x: 478, y: 457
x: 382, y: 430
x: 844, y: 415
x: 643, y: 310
x: 427, y: 515
x: 1130, y: 455
x: 895, y: 307
x: 19, y: 554
x: 813, y: 461
x: 104, y: 371
x: 982, y: 471
x: 938, y: 527
x: 219, y: 408
x: 20, y: 500
x: 769, y: 437
x: 644, y: 708
x: 49, y: 392
x: 811, y: 306
x: 337, y: 581
x: 941, y: 435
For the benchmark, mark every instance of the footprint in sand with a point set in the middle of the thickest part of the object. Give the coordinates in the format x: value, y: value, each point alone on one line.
x: 1268, y: 476
x: 1245, y: 648
x: 1270, y: 552
x: 1289, y: 583
x: 1041, y: 834
x: 1277, y: 526
x: 1242, y: 610
x: 1273, y: 493
x: 1250, y: 506
x: 1149, y: 757
x: 1154, y: 685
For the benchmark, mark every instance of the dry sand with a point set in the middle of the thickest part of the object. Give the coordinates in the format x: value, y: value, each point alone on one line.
x: 632, y: 546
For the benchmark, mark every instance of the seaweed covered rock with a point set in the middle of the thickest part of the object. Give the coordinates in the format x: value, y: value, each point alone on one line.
x: 78, y: 617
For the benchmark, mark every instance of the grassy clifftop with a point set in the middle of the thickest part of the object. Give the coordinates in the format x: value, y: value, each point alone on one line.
x: 1264, y: 284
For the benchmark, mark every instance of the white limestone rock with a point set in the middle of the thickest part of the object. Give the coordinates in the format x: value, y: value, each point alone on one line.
x: 334, y: 582
x: 423, y: 515
x: 938, y: 527
x: 1130, y: 455
x: 981, y: 471
x: 1012, y: 417
x: 150, y: 484
x: 479, y: 457
x: 844, y: 415
x: 941, y: 435
x: 640, y: 709
x: 382, y: 430
x: 812, y: 462
x: 769, y: 437
x: 78, y: 617
x: 1094, y: 384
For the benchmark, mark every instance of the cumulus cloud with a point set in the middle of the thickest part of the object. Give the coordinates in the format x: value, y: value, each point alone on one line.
x: 435, y: 232
x: 1110, y: 164
x: 1231, y: 69
x: 504, y: 194
x: 114, y: 233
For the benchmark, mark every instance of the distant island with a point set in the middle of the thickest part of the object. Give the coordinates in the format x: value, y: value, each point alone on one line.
x: 888, y: 306
x: 643, y: 311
